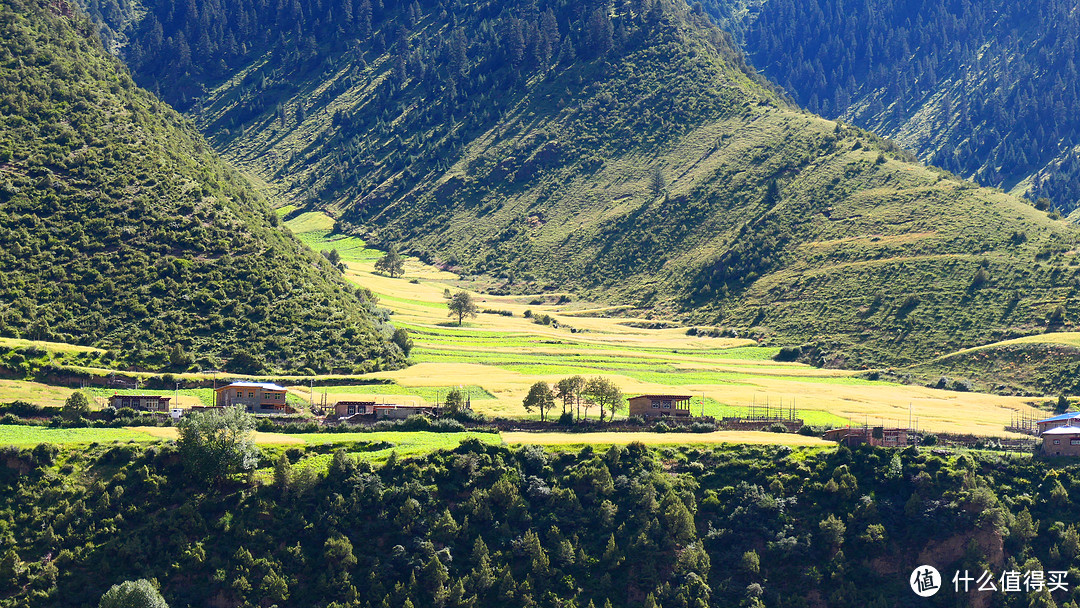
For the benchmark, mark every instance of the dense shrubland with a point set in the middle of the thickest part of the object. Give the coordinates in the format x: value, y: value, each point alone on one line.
x: 492, y: 526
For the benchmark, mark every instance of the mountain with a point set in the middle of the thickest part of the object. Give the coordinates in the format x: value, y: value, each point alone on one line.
x: 988, y: 90
x: 627, y: 153
x: 120, y: 228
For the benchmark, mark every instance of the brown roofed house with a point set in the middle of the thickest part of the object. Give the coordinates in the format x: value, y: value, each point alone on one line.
x: 656, y: 406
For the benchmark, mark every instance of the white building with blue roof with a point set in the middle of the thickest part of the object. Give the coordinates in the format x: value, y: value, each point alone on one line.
x: 1066, y: 419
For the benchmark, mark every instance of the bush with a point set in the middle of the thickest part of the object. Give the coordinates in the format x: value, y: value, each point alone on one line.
x: 420, y: 422
x: 22, y: 409
x: 703, y: 427
x: 929, y: 440
x: 467, y: 416
x: 45, y: 454
x: 811, y: 431
x: 788, y: 353
x: 777, y: 428
x: 567, y: 419
x: 133, y: 594
x: 635, y: 420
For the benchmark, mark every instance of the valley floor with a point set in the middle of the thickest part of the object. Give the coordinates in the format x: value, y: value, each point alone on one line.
x: 496, y: 356
x: 501, y: 352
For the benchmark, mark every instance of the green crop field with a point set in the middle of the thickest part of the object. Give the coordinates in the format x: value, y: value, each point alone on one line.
x: 376, y: 447
x: 32, y: 435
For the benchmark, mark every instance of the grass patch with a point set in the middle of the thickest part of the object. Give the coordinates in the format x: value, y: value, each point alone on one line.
x: 33, y: 435
x: 406, y: 444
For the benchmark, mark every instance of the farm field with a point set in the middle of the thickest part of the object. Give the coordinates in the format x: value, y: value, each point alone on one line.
x: 496, y: 356
x: 23, y: 436
x: 504, y: 352
x: 405, y: 443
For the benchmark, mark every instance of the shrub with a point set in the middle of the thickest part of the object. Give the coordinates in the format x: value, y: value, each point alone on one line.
x: 133, y: 594
x: 788, y: 353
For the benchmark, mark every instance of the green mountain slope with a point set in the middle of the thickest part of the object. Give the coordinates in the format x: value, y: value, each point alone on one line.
x: 642, y: 162
x: 985, y: 89
x: 120, y: 228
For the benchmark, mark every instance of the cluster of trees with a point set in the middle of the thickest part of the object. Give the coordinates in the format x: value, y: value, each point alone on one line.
x: 575, y: 392
x: 493, y: 526
x: 999, y: 79
x: 119, y: 228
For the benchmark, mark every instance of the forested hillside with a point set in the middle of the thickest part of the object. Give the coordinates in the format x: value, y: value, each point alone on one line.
x: 625, y: 152
x: 985, y: 89
x: 120, y: 227
x: 491, y: 526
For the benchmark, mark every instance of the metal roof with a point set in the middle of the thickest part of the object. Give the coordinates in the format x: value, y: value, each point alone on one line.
x: 1065, y: 416
x: 1063, y: 430
x: 270, y: 386
x: 673, y: 397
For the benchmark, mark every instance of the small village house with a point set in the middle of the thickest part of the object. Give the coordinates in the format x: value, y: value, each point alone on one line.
x: 876, y: 436
x: 255, y: 397
x: 145, y: 403
x: 344, y: 409
x: 1061, y: 441
x: 381, y: 411
x: 1066, y: 419
x: 658, y: 406
x: 387, y: 411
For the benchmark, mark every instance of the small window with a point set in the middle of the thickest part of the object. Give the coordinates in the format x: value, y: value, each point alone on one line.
x: 1074, y: 442
x: 239, y: 394
x: 1057, y: 442
x: 656, y: 405
x: 251, y: 394
x: 667, y: 405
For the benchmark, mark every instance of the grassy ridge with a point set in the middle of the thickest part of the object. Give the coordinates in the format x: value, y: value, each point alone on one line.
x: 121, y: 229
